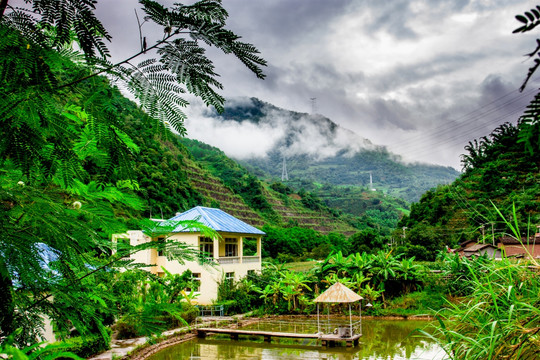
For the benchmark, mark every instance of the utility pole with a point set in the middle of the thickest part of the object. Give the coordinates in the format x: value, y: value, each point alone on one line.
x: 483, y: 233
x: 313, y: 105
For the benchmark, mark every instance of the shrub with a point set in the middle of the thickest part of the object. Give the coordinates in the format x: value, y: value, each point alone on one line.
x: 125, y: 330
x: 189, y: 313
x: 87, y: 346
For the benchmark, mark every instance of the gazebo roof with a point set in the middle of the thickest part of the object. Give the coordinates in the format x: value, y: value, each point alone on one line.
x: 338, y: 293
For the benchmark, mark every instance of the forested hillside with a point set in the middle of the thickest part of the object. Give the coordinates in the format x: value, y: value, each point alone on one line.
x: 171, y: 180
x: 358, y: 206
x: 502, y: 171
x: 318, y: 150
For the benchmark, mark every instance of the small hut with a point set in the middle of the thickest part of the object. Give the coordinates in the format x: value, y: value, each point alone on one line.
x: 339, y: 293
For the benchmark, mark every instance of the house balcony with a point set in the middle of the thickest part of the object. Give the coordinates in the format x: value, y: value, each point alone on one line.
x: 229, y: 260
x: 251, y: 259
x: 237, y: 260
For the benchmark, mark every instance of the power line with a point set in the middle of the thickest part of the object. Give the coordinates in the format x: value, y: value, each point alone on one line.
x: 468, y: 118
x: 425, y: 147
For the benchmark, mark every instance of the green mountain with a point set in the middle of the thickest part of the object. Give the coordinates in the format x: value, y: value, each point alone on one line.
x: 500, y: 186
x: 319, y: 151
x: 171, y: 179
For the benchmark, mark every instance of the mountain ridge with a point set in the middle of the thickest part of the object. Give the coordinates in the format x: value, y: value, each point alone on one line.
x: 319, y: 150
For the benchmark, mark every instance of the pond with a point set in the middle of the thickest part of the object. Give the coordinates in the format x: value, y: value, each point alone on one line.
x: 382, y: 339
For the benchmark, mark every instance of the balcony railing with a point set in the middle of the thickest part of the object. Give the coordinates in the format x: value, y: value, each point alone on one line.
x: 236, y: 259
x: 229, y: 260
x: 251, y: 259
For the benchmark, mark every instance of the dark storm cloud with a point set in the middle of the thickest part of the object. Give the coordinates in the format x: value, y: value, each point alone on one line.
x: 280, y: 21
x: 442, y: 64
x: 391, y: 17
x: 405, y: 71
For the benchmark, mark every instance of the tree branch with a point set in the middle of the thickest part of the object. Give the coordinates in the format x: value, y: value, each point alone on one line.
x: 3, y: 6
x: 142, y: 51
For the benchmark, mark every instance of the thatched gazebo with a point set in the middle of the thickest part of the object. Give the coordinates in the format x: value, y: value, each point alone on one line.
x: 338, y: 293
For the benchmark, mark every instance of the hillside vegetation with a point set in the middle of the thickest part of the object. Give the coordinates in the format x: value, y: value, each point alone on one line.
x: 502, y: 174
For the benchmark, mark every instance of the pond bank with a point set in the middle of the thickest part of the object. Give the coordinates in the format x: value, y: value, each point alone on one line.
x: 139, y: 349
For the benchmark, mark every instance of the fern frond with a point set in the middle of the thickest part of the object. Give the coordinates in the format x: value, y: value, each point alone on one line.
x: 65, y: 15
x: 529, y: 19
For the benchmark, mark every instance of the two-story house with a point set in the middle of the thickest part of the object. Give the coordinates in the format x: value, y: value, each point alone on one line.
x: 235, y: 254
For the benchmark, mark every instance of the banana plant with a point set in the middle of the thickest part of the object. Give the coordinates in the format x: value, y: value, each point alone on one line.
x: 361, y: 262
x: 295, y: 283
x: 338, y: 264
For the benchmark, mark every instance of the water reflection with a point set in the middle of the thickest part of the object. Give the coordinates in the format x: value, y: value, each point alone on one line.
x: 381, y: 340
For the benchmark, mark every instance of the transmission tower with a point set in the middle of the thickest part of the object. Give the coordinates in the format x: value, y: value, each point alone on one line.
x: 313, y: 105
x: 284, y: 175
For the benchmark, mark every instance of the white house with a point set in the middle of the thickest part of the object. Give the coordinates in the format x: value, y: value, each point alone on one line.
x: 236, y: 253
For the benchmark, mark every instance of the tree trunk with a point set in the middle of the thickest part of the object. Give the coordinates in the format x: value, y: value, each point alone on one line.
x: 7, y: 307
x: 3, y: 6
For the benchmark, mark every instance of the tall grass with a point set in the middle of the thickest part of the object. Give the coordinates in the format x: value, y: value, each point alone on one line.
x: 500, y: 316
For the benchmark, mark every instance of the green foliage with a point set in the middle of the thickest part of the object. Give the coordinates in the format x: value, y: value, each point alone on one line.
x: 368, y: 241
x: 44, y: 132
x: 529, y: 126
x: 66, y: 157
x: 85, y: 347
x: 238, y: 296
x: 415, y: 303
x: 499, y: 169
x: 148, y: 304
x: 498, y: 319
x: 529, y: 20
x: 35, y: 351
x: 296, y: 242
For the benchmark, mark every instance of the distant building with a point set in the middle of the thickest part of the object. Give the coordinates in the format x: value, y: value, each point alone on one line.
x: 526, y: 248
x: 472, y: 248
x: 506, y: 245
x: 236, y: 254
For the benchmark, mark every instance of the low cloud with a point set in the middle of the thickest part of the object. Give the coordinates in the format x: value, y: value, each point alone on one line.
x: 289, y: 133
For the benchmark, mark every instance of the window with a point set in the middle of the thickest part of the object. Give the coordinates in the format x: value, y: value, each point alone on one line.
x: 195, y: 282
x: 229, y: 277
x: 231, y: 247
x: 206, y: 246
x: 161, y: 251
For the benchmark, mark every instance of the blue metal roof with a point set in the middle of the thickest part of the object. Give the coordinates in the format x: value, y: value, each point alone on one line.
x: 216, y: 219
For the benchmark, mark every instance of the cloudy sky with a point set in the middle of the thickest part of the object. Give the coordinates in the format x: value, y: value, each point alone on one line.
x: 421, y: 77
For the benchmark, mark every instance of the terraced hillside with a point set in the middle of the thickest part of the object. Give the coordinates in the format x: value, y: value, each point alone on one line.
x: 216, y: 194
x: 294, y: 213
x: 285, y: 212
x: 173, y: 178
